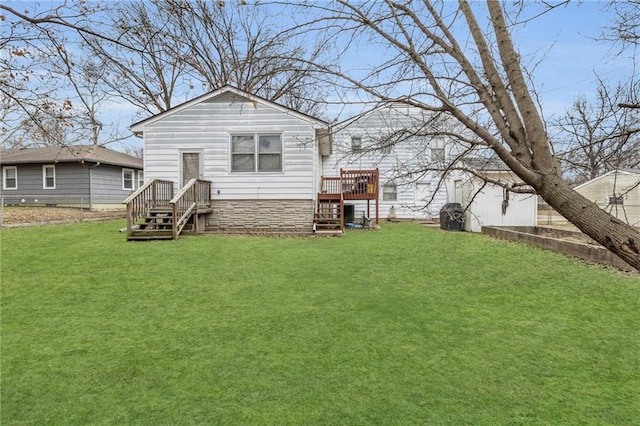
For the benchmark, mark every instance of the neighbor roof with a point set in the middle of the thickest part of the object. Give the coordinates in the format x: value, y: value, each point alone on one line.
x: 138, y: 128
x: 69, y: 154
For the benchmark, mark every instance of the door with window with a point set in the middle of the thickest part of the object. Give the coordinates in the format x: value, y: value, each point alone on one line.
x: 191, y: 167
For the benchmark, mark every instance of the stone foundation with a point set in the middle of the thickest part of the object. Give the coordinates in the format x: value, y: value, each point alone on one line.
x: 261, y: 215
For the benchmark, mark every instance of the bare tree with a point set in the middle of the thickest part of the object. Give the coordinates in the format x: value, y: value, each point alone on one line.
x: 597, y: 137
x: 460, y: 61
x: 52, y: 95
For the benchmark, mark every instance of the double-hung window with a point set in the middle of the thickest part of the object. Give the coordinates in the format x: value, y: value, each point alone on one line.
x: 356, y: 144
x: 140, y: 178
x: 10, y: 177
x: 256, y: 153
x: 127, y: 179
x: 49, y: 177
x: 437, y: 150
x: 389, y: 192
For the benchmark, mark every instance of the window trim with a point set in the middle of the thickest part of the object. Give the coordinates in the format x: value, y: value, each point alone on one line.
x: 256, y: 152
x: 140, y: 178
x: 384, y: 193
x: 616, y: 200
x: 356, y: 148
x: 44, y: 176
x: 437, y: 150
x: 133, y: 179
x: 4, y: 178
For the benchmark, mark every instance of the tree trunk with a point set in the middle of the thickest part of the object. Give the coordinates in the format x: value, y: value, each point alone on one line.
x: 621, y: 239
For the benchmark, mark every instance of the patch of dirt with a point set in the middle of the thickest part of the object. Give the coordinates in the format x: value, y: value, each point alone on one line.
x: 24, y: 215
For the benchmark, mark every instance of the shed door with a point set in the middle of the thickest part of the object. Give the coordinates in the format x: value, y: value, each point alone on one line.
x: 190, y: 166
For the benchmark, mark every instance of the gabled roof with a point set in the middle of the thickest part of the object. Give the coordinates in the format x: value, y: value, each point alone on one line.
x: 138, y: 128
x: 391, y: 105
x: 633, y: 172
x: 69, y: 154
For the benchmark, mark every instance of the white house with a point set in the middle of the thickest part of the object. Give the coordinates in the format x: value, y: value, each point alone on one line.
x: 391, y: 138
x: 617, y: 192
x: 273, y: 168
x: 263, y: 159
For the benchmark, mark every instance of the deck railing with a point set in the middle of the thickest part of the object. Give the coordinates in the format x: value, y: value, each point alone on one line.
x: 359, y: 184
x: 195, y: 194
x: 155, y: 193
x: 353, y: 184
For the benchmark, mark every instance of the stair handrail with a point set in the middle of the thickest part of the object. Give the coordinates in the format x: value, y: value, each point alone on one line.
x: 154, y: 193
x: 197, y: 192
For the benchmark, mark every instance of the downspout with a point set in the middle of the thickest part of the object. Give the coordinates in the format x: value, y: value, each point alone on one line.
x: 90, y: 168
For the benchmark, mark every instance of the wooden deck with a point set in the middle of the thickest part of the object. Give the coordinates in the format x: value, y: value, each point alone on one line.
x: 350, y: 185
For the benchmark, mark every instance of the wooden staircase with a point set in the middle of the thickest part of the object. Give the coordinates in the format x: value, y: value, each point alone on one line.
x: 329, y: 216
x: 157, y: 225
x: 154, y: 213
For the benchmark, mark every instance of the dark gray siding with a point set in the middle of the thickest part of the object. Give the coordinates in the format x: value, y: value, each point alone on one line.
x: 106, y: 184
x: 71, y: 186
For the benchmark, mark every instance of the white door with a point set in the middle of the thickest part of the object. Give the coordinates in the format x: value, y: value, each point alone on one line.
x: 190, y: 166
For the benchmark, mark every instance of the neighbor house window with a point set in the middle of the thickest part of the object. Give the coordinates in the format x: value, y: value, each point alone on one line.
x: 616, y: 200
x: 389, y: 192
x: 127, y: 179
x: 49, y: 177
x: 140, y: 178
x: 260, y: 153
x: 356, y: 144
x: 437, y: 150
x: 10, y: 177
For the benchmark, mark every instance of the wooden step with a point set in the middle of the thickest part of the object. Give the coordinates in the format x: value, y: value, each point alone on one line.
x: 150, y: 234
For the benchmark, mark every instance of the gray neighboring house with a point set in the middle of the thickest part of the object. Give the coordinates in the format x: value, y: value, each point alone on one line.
x: 88, y: 176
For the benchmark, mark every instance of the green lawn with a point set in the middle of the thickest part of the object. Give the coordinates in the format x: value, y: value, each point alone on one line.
x: 405, y: 325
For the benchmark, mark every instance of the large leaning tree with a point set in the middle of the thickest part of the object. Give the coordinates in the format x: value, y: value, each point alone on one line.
x: 460, y: 60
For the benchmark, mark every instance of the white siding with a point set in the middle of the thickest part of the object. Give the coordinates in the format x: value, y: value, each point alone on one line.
x: 600, y: 189
x: 397, y: 166
x: 206, y: 127
x: 483, y: 202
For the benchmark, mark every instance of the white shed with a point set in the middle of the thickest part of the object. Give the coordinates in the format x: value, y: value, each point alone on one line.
x: 488, y: 204
x: 617, y: 192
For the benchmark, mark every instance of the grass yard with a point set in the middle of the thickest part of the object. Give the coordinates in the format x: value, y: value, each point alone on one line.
x: 405, y: 325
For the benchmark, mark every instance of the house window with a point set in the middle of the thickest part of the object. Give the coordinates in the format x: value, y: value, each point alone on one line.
x: 127, y: 179
x: 389, y: 192
x: 437, y: 150
x: 356, y: 144
x: 616, y: 200
x: 10, y: 178
x: 260, y: 153
x: 140, y: 178
x: 49, y: 177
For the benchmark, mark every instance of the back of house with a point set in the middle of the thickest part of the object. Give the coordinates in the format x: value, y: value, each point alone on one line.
x: 396, y: 139
x: 263, y: 159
